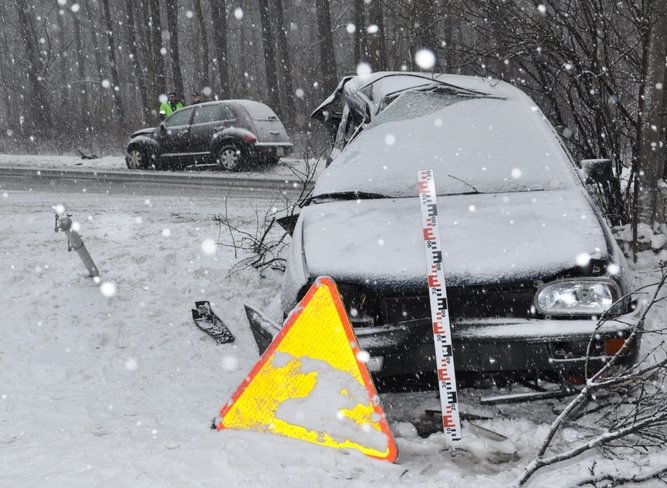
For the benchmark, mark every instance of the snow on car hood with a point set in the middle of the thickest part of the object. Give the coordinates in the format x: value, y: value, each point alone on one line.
x: 487, y: 238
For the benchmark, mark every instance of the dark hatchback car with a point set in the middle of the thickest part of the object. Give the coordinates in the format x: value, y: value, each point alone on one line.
x: 228, y: 134
x: 530, y: 264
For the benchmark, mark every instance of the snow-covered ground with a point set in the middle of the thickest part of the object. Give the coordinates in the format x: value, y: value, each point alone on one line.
x: 110, y: 384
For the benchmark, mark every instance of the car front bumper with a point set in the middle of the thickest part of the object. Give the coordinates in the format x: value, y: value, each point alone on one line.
x: 498, y: 345
x: 512, y: 345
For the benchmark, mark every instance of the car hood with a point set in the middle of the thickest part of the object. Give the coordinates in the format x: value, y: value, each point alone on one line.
x: 487, y: 238
x: 143, y: 132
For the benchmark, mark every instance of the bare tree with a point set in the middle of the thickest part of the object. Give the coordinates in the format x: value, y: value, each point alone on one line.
x: 580, y: 61
x: 134, y: 55
x: 425, y: 18
x: 649, y: 162
x: 155, y: 26
x: 285, y: 64
x: 327, y: 53
x: 39, y: 111
x: 219, y: 17
x: 203, y: 39
x: 81, y: 86
x: 269, y: 55
x: 115, y: 82
x: 376, y: 41
x: 360, y: 50
x: 263, y: 246
x: 172, y: 25
x: 637, y: 418
x: 6, y: 60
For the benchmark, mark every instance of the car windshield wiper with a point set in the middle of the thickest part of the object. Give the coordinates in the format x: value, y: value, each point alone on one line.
x: 474, y: 190
x: 345, y: 195
x: 451, y: 86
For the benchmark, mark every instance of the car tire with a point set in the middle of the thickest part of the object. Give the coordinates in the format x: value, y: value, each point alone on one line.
x: 229, y: 158
x: 138, y: 158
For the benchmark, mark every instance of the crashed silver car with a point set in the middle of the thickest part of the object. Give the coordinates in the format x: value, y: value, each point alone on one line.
x: 530, y: 264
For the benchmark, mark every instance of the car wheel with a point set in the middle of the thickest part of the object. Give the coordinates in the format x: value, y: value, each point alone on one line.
x: 229, y: 158
x: 137, y: 158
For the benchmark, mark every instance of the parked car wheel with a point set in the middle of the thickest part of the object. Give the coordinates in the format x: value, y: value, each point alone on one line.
x: 229, y: 157
x: 137, y: 158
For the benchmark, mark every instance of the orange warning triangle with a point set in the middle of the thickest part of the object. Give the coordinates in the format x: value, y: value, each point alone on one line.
x: 311, y: 385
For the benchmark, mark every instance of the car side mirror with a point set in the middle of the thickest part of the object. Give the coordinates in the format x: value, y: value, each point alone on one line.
x: 288, y: 219
x: 596, y: 170
x: 162, y: 127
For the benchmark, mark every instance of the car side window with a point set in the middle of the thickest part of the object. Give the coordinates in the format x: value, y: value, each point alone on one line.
x: 227, y: 113
x: 207, y: 113
x: 181, y: 117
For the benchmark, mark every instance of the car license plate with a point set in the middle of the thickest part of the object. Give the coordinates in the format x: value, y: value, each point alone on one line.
x: 280, y: 151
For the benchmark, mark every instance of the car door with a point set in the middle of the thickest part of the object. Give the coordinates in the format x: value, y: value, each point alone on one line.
x: 208, y: 120
x: 173, y: 135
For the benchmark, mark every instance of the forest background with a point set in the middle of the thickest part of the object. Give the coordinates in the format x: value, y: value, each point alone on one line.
x: 86, y: 74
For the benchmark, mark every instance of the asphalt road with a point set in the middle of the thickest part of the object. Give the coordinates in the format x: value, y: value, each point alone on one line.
x: 149, y: 183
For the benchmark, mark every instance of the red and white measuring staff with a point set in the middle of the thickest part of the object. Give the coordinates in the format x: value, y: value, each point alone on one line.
x: 442, y: 331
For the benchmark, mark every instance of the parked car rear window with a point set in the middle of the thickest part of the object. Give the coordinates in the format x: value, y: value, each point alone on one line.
x: 259, y: 111
x: 213, y: 113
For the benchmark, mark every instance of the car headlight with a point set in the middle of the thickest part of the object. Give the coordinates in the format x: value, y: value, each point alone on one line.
x: 577, y: 296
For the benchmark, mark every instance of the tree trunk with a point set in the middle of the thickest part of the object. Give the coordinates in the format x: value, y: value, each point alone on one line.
x: 425, y: 16
x: 158, y: 60
x: 269, y: 56
x: 327, y: 55
x: 6, y: 61
x: 144, y: 36
x: 62, y: 80
x: 100, y: 115
x: 139, y: 73
x: 82, y: 86
x: 115, y: 82
x: 649, y: 161
x: 449, y: 45
x: 376, y: 47
x: 285, y: 62
x: 360, y: 49
x: 241, y: 89
x: 203, y: 39
x: 219, y: 16
x: 39, y: 112
x: 172, y: 25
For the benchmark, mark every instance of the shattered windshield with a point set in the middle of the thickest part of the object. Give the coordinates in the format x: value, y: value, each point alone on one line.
x: 417, y: 103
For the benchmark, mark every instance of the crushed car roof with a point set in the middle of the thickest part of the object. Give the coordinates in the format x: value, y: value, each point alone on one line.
x: 373, y: 89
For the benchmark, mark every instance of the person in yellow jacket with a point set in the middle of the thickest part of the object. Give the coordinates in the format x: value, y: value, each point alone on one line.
x: 170, y: 106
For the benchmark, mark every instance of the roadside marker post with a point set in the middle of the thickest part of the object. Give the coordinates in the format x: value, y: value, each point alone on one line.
x: 442, y: 332
x: 312, y: 384
x: 75, y: 243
